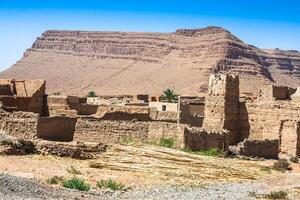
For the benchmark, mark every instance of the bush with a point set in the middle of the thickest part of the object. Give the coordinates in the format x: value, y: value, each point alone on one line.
x: 282, y: 165
x: 276, y: 195
x: 91, y: 94
x: 210, y: 152
x: 110, y: 184
x: 76, y: 183
x: 55, y: 180
x: 271, y: 195
x: 166, y: 142
x: 56, y: 93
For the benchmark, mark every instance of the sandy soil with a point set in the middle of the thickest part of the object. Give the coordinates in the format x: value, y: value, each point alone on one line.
x: 150, y: 172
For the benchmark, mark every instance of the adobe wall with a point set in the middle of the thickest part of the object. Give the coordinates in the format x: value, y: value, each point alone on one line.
x: 166, y: 116
x: 265, y: 118
x: 200, y: 139
x: 274, y: 92
x: 109, y: 131
x: 70, y: 106
x: 289, y: 137
x: 158, y: 130
x: 25, y: 95
x: 222, y: 105
x: 139, y: 113
x: 272, y: 120
x: 268, y: 148
x: 56, y: 128
x: 191, y: 110
x: 172, y: 107
x: 22, y: 125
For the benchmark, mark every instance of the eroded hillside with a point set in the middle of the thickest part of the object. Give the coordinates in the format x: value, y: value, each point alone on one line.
x: 75, y: 62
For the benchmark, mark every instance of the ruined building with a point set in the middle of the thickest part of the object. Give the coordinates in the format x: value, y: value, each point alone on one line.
x: 266, y: 125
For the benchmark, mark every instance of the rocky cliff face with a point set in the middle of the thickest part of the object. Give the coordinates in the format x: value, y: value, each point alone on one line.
x: 75, y: 62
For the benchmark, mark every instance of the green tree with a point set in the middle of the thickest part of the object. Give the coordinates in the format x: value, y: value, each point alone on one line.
x: 169, y: 95
x: 91, y: 94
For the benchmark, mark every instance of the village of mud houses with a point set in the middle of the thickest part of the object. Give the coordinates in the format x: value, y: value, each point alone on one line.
x: 182, y: 113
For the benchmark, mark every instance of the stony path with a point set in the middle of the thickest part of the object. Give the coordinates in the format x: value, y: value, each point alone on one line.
x: 17, y: 188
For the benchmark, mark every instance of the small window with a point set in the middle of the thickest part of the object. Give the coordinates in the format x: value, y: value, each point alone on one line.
x: 164, y: 108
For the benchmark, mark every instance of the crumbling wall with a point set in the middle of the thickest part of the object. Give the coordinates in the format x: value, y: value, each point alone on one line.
x: 265, y: 117
x: 222, y: 105
x: 139, y: 113
x: 289, y: 136
x: 164, y: 106
x: 56, y: 128
x: 114, y: 131
x: 200, y: 139
x: 78, y: 150
x: 268, y: 148
x: 22, y: 125
x: 79, y: 104
x: 191, y: 112
x: 25, y: 95
x: 274, y: 92
x: 109, y: 131
x: 166, y: 116
x: 158, y: 130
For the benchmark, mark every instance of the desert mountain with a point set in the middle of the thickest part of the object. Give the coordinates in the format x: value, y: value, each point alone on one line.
x: 75, y: 62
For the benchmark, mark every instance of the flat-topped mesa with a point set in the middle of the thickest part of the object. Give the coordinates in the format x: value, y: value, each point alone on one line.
x: 200, y: 31
x: 82, y: 61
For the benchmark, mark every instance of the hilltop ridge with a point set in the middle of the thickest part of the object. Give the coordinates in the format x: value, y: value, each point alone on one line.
x: 75, y: 62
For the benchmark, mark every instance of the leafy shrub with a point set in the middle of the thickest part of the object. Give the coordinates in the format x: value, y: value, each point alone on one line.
x: 166, y: 142
x: 73, y: 170
x: 271, y: 195
x: 110, y: 184
x: 56, y: 93
x: 276, y: 195
x: 76, y: 183
x: 91, y: 94
x: 55, y: 180
x: 210, y: 152
x: 266, y: 169
x: 282, y: 165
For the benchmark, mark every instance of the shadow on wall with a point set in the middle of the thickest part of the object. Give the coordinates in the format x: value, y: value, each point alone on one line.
x: 244, y: 124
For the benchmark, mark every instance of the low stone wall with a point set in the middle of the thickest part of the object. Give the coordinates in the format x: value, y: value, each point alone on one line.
x: 158, y: 130
x: 113, y: 131
x: 56, y: 128
x: 257, y: 148
x: 109, y: 131
x: 22, y: 125
x: 200, y: 139
x: 139, y: 113
x: 71, y: 149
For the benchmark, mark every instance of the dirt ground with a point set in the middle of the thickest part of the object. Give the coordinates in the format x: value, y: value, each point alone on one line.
x: 149, y: 166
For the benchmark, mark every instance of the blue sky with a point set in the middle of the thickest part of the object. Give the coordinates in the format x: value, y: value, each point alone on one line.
x: 263, y: 23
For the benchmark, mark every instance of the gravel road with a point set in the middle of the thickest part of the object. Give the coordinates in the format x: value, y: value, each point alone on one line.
x: 17, y: 188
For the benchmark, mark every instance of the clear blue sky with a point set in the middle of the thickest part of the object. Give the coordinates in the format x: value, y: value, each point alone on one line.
x: 263, y: 23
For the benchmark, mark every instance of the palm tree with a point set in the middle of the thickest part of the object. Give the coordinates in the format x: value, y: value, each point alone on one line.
x: 169, y: 95
x: 91, y: 94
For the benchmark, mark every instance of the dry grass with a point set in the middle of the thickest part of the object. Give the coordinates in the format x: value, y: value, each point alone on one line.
x: 175, y: 166
x: 138, y: 164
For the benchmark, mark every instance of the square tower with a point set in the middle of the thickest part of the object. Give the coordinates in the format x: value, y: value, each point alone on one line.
x: 222, y: 105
